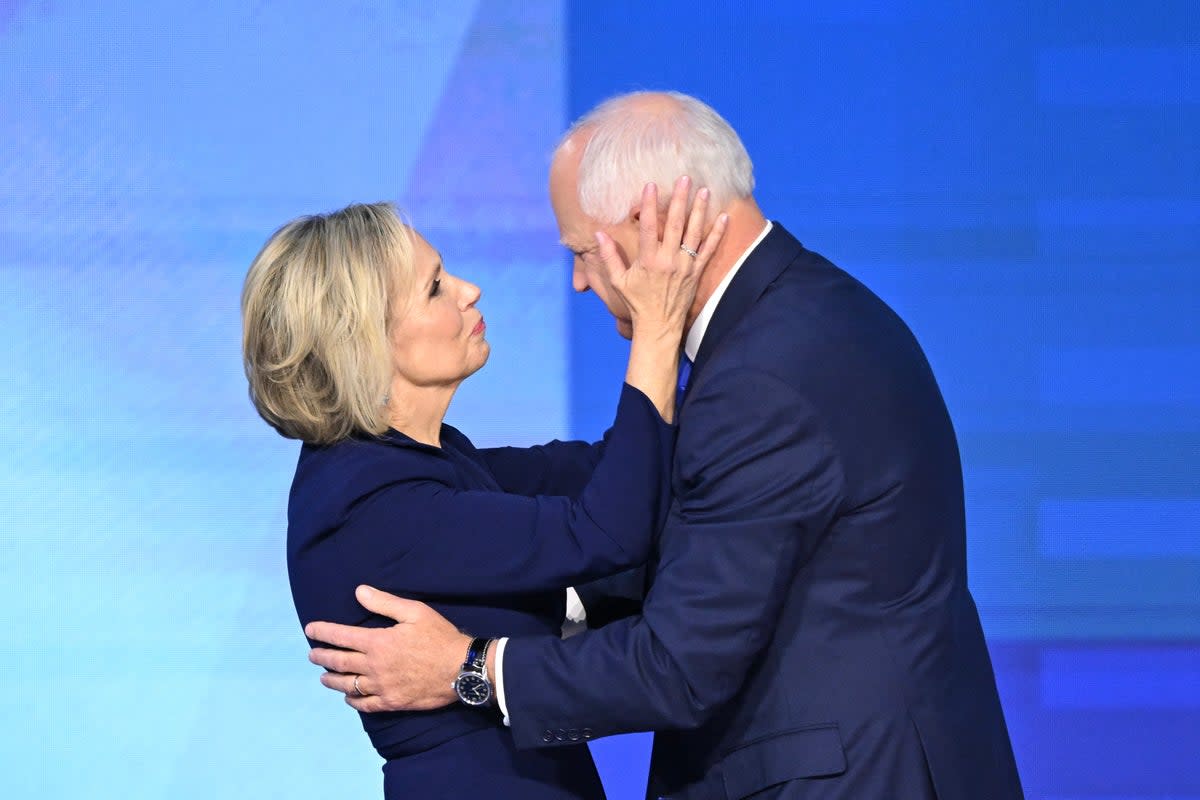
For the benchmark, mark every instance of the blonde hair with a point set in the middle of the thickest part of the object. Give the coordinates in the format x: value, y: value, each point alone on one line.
x: 316, y: 308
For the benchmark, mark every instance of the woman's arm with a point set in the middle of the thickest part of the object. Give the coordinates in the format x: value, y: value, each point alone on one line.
x: 422, y: 536
x: 415, y: 534
x: 560, y: 468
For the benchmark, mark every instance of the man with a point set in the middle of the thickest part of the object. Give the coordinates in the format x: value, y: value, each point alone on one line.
x: 806, y: 629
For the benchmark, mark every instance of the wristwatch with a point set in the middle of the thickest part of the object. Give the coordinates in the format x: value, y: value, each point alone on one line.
x: 472, y: 685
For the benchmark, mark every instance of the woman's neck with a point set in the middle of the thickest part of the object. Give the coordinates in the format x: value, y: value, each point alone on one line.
x: 418, y: 411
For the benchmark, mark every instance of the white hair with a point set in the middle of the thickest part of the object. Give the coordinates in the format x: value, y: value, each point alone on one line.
x: 640, y: 137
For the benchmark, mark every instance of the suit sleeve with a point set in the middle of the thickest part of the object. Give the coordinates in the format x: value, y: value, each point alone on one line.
x: 613, y: 597
x: 559, y: 468
x: 758, y: 487
x: 427, y: 538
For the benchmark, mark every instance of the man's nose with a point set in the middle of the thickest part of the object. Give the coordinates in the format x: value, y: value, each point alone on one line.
x: 579, y: 276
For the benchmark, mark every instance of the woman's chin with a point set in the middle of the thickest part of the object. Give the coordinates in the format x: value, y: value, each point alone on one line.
x: 486, y: 352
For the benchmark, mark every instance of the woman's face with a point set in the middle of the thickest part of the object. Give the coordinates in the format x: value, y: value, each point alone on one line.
x: 439, y: 337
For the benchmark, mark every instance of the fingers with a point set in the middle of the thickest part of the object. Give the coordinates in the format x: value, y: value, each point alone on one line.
x: 684, y: 228
x: 673, y: 233
x: 347, y: 637
x: 357, y: 688
x: 338, y: 660
x: 648, y: 221
x: 695, y: 223
x: 711, y: 241
x: 610, y: 258
x: 369, y: 704
x: 388, y: 605
x: 343, y: 683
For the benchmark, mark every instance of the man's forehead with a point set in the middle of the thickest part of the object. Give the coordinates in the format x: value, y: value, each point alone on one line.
x: 577, y: 231
x: 576, y: 240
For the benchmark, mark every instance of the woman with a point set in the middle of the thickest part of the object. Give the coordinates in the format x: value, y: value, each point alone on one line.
x: 355, y: 340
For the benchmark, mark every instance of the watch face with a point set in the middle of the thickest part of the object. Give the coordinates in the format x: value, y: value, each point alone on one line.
x: 474, y: 690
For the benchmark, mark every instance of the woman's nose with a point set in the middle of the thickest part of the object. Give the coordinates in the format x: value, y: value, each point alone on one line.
x: 470, y: 294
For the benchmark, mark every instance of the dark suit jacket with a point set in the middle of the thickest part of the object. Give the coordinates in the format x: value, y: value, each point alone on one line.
x: 807, y: 625
x: 437, y: 524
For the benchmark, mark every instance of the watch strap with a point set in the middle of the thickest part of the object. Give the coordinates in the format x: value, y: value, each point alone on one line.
x: 477, y: 655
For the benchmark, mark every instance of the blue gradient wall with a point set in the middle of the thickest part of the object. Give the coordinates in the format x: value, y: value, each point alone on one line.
x: 1020, y: 181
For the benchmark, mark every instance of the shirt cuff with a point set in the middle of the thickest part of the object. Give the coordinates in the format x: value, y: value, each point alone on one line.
x: 500, y: 645
x: 576, y: 619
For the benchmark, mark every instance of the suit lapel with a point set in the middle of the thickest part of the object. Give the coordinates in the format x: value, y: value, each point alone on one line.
x: 773, y: 254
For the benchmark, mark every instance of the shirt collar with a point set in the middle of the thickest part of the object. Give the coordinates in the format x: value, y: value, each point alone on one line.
x: 691, y: 345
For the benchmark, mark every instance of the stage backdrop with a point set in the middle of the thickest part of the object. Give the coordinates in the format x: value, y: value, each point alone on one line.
x: 1019, y: 180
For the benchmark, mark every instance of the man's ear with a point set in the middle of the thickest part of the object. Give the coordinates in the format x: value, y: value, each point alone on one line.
x: 635, y: 217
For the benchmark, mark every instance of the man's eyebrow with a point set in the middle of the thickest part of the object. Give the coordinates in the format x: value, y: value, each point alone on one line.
x: 573, y: 248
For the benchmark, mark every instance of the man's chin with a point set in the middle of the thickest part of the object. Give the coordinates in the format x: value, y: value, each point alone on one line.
x: 625, y: 328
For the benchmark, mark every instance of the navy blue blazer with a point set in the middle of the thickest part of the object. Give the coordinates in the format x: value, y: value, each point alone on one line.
x: 490, y: 538
x: 807, y: 631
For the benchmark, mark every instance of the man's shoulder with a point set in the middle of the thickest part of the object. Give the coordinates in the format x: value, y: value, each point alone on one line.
x: 813, y: 307
x: 819, y: 333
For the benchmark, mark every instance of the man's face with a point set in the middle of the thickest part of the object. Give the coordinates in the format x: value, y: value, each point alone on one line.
x: 577, y: 231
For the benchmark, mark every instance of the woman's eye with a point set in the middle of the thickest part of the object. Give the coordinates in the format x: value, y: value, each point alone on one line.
x: 436, y: 289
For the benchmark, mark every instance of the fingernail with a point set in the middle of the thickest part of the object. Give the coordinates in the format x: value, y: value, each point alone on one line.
x: 365, y: 590
x: 703, y: 193
x: 684, y: 180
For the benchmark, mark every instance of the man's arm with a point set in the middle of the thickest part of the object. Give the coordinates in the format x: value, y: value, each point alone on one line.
x: 759, y: 495
x: 615, y: 597
x: 759, y: 492
x: 760, y: 486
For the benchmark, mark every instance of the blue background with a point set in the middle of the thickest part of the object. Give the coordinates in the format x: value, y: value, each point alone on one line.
x: 1019, y: 180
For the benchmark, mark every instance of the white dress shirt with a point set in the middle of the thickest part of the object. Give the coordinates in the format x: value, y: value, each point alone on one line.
x: 576, y: 613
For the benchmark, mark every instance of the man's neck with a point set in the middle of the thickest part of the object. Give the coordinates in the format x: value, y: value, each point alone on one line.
x: 746, y: 222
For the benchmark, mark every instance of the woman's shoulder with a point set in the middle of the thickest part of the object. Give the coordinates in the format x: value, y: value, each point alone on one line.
x: 454, y: 439
x: 365, y: 463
